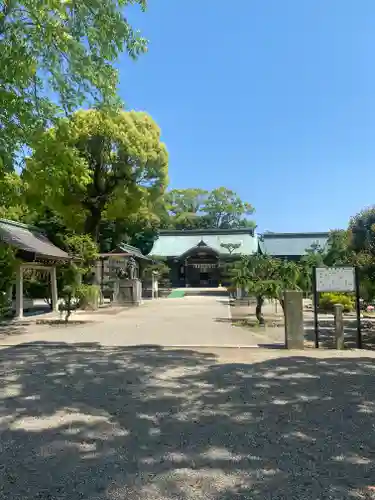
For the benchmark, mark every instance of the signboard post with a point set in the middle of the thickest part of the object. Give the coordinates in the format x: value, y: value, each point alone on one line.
x: 336, y: 279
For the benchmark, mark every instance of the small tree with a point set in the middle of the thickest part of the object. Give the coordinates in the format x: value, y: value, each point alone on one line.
x: 161, y: 268
x: 265, y: 278
x: 314, y: 257
x: 287, y: 275
x: 255, y: 274
x: 71, y: 279
x: 231, y: 247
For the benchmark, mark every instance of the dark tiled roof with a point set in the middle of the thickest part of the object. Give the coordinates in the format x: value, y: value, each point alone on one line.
x: 29, y: 239
x: 291, y: 244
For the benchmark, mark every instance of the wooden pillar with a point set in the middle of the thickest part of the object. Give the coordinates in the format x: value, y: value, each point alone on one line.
x: 54, y: 296
x: 19, y: 292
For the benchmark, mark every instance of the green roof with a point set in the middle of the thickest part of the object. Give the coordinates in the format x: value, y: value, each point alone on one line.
x: 291, y: 244
x: 177, y: 243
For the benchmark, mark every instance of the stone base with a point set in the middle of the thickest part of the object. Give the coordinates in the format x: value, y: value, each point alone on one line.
x: 128, y: 292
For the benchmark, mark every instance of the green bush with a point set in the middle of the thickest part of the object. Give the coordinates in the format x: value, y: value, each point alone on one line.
x: 8, y: 265
x: 88, y: 296
x: 328, y: 300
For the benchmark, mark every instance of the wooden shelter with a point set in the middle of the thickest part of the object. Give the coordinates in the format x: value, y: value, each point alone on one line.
x: 35, y: 252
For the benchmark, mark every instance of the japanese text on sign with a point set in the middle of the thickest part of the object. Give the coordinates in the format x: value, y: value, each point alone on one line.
x: 335, y: 279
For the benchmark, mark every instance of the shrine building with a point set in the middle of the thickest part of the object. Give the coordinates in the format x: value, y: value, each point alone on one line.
x: 196, y: 256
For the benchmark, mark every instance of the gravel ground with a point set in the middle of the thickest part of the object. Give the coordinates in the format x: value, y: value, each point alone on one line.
x: 83, y: 422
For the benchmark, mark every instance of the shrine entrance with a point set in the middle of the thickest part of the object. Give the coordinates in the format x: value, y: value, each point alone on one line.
x: 202, y: 268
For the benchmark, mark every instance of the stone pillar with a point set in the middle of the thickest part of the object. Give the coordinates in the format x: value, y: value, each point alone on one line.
x: 239, y: 292
x: 293, y: 310
x: 54, y: 296
x: 19, y: 292
x: 154, y: 285
x: 338, y: 310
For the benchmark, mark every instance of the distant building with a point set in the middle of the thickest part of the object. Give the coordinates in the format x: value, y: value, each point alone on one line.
x: 194, y: 256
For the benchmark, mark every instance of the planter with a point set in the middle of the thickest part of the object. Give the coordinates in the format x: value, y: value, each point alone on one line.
x: 239, y: 309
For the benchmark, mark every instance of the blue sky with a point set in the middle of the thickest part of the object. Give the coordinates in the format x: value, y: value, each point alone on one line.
x: 273, y: 99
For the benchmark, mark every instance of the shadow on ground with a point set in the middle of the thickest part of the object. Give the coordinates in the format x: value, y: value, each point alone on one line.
x: 7, y: 329
x: 88, y: 422
x: 326, y: 333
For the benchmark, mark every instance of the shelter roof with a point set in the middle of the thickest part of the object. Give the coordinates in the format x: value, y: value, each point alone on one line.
x: 29, y: 239
x: 291, y: 244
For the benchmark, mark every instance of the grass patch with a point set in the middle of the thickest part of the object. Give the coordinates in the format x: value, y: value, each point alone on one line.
x: 176, y: 294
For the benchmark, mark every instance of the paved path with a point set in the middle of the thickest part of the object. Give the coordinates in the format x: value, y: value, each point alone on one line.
x: 188, y: 321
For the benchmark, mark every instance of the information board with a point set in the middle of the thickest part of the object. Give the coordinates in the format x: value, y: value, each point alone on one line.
x: 335, y: 279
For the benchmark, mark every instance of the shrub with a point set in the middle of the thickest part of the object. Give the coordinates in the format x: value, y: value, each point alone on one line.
x: 328, y: 300
x: 8, y: 265
x: 88, y: 296
x: 159, y: 267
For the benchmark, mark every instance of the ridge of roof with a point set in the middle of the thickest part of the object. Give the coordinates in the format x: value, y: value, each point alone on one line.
x: 125, y: 246
x: 188, y: 232
x: 22, y: 225
x: 309, y: 234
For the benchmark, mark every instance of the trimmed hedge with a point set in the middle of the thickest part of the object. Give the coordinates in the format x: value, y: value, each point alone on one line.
x: 328, y: 300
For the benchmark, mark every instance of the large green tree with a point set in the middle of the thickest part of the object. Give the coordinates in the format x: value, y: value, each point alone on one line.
x: 195, y: 208
x: 97, y: 165
x: 12, y: 204
x: 60, y: 48
x: 361, y: 238
x: 339, y: 251
x: 362, y: 231
x: 186, y: 201
x: 185, y: 208
x: 225, y: 209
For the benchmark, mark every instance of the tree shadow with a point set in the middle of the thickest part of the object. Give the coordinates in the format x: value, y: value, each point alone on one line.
x: 327, y: 338
x: 8, y: 329
x: 89, y: 422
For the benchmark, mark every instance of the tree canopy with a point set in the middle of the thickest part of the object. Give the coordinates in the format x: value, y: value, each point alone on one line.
x: 60, y: 48
x: 195, y: 208
x: 97, y: 165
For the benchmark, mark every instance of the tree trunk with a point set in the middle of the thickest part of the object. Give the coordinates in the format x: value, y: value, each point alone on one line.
x: 258, y: 310
x: 281, y: 300
x: 92, y: 222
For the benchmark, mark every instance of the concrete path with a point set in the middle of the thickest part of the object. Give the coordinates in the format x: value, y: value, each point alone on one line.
x: 188, y: 321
